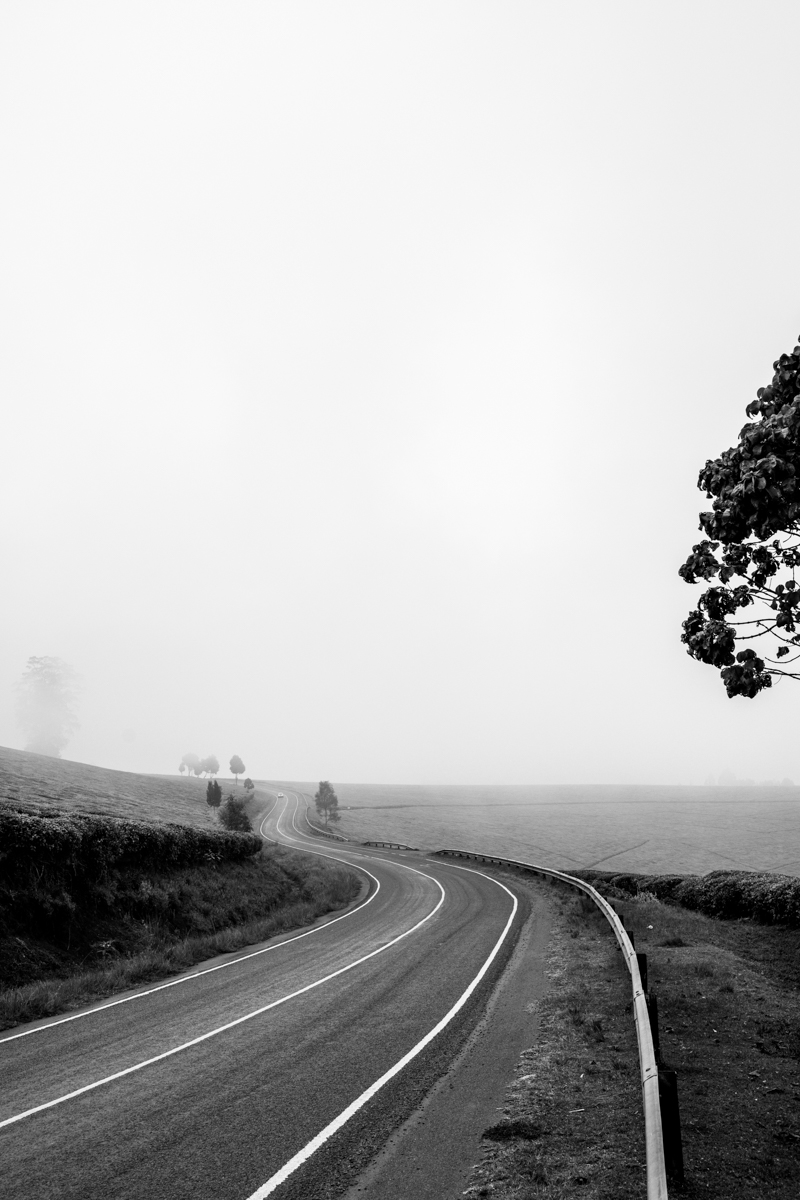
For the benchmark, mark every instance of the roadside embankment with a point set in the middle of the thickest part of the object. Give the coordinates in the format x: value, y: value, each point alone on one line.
x: 761, y: 895
x: 92, y: 905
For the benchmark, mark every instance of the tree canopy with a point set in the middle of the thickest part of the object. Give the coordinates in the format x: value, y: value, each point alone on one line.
x: 752, y: 546
x: 233, y: 815
x: 327, y: 802
x: 214, y: 793
x: 210, y: 764
x: 237, y: 767
x: 46, y: 699
x: 191, y: 763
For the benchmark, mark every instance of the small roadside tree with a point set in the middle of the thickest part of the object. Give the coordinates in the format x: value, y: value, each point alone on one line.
x: 327, y: 801
x: 237, y: 767
x: 233, y: 815
x: 214, y: 793
x: 752, y: 547
x: 210, y: 764
x: 249, y: 786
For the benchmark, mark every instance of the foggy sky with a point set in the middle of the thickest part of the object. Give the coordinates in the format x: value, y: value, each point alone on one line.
x: 359, y: 361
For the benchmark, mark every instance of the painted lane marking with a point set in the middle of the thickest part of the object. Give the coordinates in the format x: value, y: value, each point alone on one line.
x: 207, y: 970
x: 336, y: 1124
x: 90, y: 1087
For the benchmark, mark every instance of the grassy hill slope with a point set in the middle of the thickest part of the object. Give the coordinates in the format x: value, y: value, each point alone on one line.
x: 36, y: 782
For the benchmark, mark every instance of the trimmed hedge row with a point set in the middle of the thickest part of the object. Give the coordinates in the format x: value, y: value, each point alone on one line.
x: 89, y: 847
x: 757, y: 895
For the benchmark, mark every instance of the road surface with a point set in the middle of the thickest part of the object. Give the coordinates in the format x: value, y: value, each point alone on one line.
x: 278, y: 1072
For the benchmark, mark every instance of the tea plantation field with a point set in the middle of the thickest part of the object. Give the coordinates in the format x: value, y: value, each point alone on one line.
x: 629, y: 828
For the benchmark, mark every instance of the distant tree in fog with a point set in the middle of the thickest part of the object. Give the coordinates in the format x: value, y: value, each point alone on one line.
x: 214, y: 793
x: 191, y: 763
x: 233, y: 815
x: 327, y: 801
x: 249, y: 786
x: 46, y: 699
x: 210, y: 764
x: 237, y: 767
x: 751, y: 551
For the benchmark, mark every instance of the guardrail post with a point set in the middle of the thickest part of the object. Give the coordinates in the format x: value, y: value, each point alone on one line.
x: 652, y: 1012
x: 671, y: 1123
x: 642, y: 961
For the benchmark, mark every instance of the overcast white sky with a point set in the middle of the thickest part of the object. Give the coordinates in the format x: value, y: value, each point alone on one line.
x: 359, y: 360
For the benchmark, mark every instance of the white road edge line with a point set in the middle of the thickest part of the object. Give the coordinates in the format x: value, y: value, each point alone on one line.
x: 207, y: 970
x: 323, y: 1136
x: 204, y: 1037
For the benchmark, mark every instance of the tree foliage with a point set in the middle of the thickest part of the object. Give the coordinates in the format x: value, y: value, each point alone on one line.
x: 752, y: 547
x: 249, y: 786
x: 191, y: 764
x: 46, y: 699
x: 237, y: 767
x: 214, y: 793
x: 233, y: 815
x: 210, y: 764
x: 327, y: 801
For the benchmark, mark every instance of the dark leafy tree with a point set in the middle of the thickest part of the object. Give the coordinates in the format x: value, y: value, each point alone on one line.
x: 327, y: 802
x: 46, y: 700
x: 191, y: 764
x: 210, y: 764
x: 751, y: 551
x: 233, y: 815
x: 249, y: 786
x: 237, y: 767
x: 214, y: 793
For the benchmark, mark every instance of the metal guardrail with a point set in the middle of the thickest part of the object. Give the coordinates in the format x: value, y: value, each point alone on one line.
x: 390, y: 845
x: 334, y: 837
x: 654, y: 1141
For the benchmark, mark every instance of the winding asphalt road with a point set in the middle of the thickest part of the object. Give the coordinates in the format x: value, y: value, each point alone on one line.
x: 281, y: 1069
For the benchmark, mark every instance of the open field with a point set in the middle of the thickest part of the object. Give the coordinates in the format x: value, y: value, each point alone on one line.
x: 625, y: 828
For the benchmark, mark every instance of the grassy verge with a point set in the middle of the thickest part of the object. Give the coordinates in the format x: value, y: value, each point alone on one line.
x: 728, y: 1001
x: 167, y: 923
x: 572, y: 1122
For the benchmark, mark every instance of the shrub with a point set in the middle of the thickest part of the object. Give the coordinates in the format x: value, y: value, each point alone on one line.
x: 757, y: 895
x: 233, y: 815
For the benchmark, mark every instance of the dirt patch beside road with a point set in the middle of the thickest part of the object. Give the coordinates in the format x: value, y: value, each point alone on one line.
x: 728, y: 999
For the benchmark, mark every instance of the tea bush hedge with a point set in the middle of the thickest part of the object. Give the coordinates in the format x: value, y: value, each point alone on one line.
x: 757, y: 895
x: 79, y: 845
